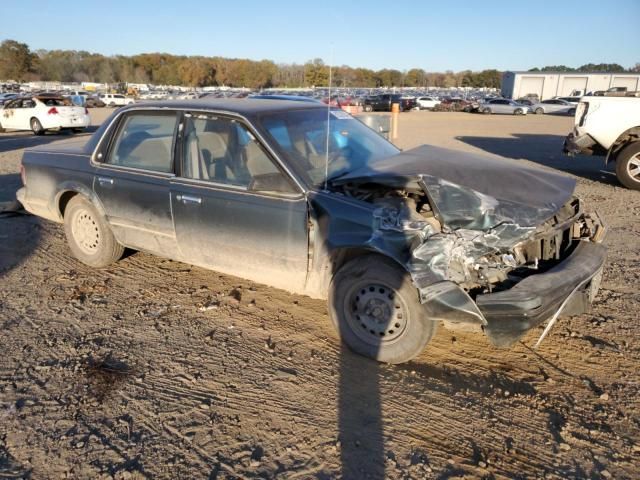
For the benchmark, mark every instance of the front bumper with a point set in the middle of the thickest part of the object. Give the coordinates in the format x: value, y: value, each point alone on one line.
x: 569, y: 286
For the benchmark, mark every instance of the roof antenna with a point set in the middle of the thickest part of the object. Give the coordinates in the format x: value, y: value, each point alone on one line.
x: 326, y: 157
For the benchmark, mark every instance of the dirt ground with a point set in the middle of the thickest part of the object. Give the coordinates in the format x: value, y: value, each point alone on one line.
x: 155, y: 369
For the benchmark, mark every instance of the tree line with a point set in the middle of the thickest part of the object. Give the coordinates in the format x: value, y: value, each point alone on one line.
x: 19, y: 63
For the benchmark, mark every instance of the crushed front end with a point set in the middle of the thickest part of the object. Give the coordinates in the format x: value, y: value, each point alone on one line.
x: 501, y: 264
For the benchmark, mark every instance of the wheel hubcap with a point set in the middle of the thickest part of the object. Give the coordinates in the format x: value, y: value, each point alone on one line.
x: 633, y: 167
x: 85, y: 232
x: 376, y: 314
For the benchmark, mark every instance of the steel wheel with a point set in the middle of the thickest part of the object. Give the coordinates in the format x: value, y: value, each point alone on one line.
x: 376, y: 310
x: 85, y: 231
x: 375, y: 313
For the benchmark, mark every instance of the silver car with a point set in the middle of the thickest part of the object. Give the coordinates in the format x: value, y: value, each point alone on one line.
x: 503, y: 105
x: 554, y: 106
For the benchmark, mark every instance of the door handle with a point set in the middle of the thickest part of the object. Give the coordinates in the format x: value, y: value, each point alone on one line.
x: 105, y: 181
x: 189, y: 199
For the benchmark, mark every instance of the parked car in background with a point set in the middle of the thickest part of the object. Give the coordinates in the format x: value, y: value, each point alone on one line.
x: 42, y: 113
x: 94, y: 102
x: 609, y: 127
x: 383, y: 102
x: 553, y: 105
x: 5, y: 97
x: 571, y: 100
x: 427, y: 103
x: 503, y: 105
x: 303, y: 197
x: 115, y: 99
x: 459, y: 104
x: 526, y: 102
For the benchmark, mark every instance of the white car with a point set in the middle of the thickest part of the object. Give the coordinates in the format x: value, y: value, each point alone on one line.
x: 427, y: 103
x: 554, y: 105
x: 40, y: 113
x: 115, y: 99
x: 609, y: 127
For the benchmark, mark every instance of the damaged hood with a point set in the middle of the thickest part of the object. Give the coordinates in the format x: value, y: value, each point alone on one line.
x: 471, y: 191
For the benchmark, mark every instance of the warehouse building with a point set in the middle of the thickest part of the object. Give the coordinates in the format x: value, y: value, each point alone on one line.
x: 562, y: 84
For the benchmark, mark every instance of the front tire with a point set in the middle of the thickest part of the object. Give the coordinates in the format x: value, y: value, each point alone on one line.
x: 88, y: 234
x: 628, y: 166
x: 518, y: 111
x: 571, y: 112
x: 368, y: 108
x: 487, y: 111
x: 539, y: 111
x: 377, y: 311
x: 36, y: 127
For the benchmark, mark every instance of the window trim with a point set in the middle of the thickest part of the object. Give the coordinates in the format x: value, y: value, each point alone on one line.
x: 118, y: 128
x: 105, y: 140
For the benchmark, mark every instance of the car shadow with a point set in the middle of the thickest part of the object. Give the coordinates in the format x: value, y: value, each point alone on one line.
x: 20, y: 233
x: 17, y: 140
x: 545, y: 150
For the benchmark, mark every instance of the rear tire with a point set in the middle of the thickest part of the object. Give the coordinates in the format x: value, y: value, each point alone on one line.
x: 539, y: 111
x: 487, y: 111
x: 571, y: 112
x: 368, y: 108
x: 628, y: 166
x: 376, y: 310
x: 518, y: 111
x: 36, y: 126
x: 88, y: 234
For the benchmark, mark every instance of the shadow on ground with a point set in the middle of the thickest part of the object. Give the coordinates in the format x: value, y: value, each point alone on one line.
x: 545, y: 150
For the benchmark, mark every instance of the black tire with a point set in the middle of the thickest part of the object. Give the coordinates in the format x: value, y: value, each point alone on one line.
x: 88, y: 234
x: 368, y: 108
x: 377, y: 312
x: 539, y: 111
x: 518, y: 111
x: 487, y: 111
x: 1, y: 128
x: 112, y: 104
x: 628, y: 166
x: 36, y: 126
x: 571, y: 112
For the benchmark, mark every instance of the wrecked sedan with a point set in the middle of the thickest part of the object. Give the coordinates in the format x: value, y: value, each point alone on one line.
x: 306, y: 198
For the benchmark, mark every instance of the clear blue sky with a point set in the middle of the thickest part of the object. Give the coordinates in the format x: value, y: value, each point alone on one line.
x: 401, y: 34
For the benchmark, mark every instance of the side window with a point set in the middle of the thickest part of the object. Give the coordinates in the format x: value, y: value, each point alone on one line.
x: 13, y: 104
x: 224, y: 151
x: 145, y: 141
x: 28, y: 103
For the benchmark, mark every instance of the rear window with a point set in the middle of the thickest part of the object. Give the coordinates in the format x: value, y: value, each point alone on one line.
x: 56, y: 102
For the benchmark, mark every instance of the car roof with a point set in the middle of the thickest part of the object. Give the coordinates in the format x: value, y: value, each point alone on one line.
x: 242, y: 106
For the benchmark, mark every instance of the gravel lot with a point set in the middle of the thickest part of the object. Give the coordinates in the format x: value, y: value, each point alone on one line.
x: 155, y: 369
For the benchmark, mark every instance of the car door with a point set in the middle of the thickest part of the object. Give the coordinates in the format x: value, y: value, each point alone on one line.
x: 235, y: 210
x: 9, y: 112
x: 132, y: 180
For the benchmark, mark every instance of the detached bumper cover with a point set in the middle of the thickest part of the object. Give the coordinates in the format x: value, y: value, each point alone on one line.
x: 512, y: 312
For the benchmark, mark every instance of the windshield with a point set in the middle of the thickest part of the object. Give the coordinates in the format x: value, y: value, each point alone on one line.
x: 302, y: 136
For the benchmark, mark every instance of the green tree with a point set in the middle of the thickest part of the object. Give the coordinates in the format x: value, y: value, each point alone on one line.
x: 316, y: 73
x: 16, y: 60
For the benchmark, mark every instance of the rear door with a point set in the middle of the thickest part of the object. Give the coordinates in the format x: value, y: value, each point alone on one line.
x: 235, y: 210
x: 133, y: 181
